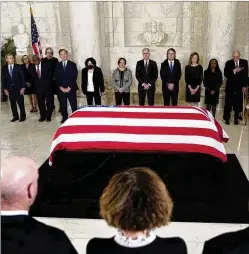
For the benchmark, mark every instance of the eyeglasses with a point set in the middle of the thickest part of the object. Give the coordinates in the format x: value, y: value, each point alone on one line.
x: 49, y: 52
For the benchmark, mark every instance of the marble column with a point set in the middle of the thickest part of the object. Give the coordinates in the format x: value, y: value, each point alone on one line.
x: 85, y: 34
x: 221, y: 31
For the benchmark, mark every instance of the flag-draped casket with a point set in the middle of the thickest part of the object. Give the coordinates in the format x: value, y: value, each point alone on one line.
x: 146, y: 129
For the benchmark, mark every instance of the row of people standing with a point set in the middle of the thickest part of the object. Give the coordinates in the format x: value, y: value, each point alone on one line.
x: 51, y: 77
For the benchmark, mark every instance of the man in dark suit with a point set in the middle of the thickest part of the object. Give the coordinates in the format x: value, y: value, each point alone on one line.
x: 41, y: 76
x: 52, y: 61
x: 66, y: 76
x: 14, y: 86
x: 229, y: 243
x: 20, y: 233
x: 146, y: 75
x: 170, y: 74
x: 236, y: 72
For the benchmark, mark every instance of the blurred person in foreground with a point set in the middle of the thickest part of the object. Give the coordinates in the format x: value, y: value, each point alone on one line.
x: 136, y: 202
x: 228, y: 243
x: 20, y: 233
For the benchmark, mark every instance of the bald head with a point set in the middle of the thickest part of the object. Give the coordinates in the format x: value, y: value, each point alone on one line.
x: 19, y: 177
x: 236, y: 55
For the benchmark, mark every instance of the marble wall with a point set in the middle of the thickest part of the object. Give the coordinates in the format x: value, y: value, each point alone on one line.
x: 109, y: 30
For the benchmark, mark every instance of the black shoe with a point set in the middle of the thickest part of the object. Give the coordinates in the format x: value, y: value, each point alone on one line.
x: 48, y: 119
x: 236, y: 122
x: 227, y: 122
x: 22, y: 119
x: 14, y: 119
x: 240, y: 118
x: 41, y: 120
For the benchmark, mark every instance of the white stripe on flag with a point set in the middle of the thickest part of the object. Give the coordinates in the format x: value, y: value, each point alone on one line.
x: 134, y: 138
x: 142, y: 110
x: 98, y: 121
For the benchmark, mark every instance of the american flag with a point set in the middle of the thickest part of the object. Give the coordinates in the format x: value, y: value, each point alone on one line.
x: 147, y: 129
x: 36, y: 44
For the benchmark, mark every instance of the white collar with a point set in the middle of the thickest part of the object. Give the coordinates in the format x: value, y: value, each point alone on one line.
x: 65, y: 62
x: 134, y: 243
x: 171, y: 61
x: 14, y: 213
x: 146, y: 61
x: 10, y: 65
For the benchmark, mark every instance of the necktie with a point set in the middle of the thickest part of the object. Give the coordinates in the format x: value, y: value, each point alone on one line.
x: 171, y: 66
x: 11, y: 71
x: 64, y: 66
x: 146, y: 66
x: 236, y: 64
x: 38, y: 71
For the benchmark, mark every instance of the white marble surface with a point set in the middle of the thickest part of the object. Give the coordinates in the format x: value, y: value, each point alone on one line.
x: 33, y: 139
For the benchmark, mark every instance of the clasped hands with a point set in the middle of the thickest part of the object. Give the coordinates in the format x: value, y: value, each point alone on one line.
x: 193, y: 91
x: 65, y: 90
x: 146, y: 86
x: 171, y: 86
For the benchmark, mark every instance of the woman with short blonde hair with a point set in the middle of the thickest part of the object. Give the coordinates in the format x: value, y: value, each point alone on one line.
x: 136, y: 201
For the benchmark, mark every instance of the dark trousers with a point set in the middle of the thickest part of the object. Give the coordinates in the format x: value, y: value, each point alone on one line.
x: 45, y: 104
x: 17, y: 99
x: 93, y: 95
x: 150, y: 96
x: 232, y: 101
x: 122, y: 97
x: 211, y: 108
x: 71, y: 97
x: 170, y: 95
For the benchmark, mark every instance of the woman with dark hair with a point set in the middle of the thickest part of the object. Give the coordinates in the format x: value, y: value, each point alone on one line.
x: 212, y: 81
x: 193, y: 79
x: 121, y: 82
x: 29, y: 91
x: 136, y: 201
x: 92, y: 82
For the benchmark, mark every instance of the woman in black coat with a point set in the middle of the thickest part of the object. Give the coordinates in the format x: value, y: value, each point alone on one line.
x: 212, y: 81
x: 29, y: 90
x: 92, y: 82
x: 193, y: 79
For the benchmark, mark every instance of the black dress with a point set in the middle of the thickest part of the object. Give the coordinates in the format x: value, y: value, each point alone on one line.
x: 158, y: 246
x: 193, y: 77
x: 212, y: 82
x: 27, y: 77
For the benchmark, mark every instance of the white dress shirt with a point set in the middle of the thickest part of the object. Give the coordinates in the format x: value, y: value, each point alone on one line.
x: 14, y: 213
x: 64, y: 62
x: 171, y: 62
x: 39, y: 67
x: 146, y: 61
x: 12, y: 65
x: 90, y: 86
x: 235, y: 66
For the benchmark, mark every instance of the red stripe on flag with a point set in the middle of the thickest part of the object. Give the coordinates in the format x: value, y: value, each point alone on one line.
x: 138, y: 130
x: 139, y: 115
x: 133, y: 147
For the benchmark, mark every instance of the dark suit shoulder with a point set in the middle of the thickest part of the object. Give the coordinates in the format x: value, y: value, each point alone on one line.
x: 152, y: 61
x: 230, y: 239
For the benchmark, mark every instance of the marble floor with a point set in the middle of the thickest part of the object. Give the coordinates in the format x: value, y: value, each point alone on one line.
x: 33, y: 139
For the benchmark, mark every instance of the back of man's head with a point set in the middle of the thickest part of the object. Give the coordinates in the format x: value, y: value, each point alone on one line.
x: 19, y: 177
